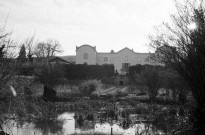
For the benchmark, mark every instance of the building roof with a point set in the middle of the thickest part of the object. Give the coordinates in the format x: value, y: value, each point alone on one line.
x: 126, y: 48
x: 67, y: 59
x: 58, y: 58
x: 111, y: 52
x: 93, y: 47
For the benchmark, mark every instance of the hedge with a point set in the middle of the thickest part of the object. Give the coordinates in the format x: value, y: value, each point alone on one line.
x: 82, y: 72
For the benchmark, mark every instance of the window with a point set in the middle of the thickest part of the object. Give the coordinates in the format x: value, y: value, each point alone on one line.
x: 85, y: 55
x: 126, y: 58
x: 105, y: 58
x: 125, y: 67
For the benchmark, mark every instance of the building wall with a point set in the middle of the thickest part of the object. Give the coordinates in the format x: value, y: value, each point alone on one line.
x: 101, y: 58
x: 123, y: 56
x: 86, y: 49
x: 116, y: 58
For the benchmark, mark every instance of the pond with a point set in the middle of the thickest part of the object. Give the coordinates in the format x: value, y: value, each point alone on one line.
x: 66, y: 125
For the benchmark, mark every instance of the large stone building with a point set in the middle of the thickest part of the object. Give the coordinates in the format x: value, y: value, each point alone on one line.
x: 121, y: 60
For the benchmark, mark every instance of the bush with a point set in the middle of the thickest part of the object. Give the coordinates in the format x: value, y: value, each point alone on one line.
x: 94, y: 96
x: 142, y: 93
x: 26, y: 70
x: 120, y: 94
x: 87, y: 87
x: 109, y: 96
x: 108, y: 80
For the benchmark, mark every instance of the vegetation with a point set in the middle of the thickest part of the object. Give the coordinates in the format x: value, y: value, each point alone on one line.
x: 82, y: 72
x: 89, y: 86
x: 22, y: 54
x: 183, y: 49
x: 151, y: 80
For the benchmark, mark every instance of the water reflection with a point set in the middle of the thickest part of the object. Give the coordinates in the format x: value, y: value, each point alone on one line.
x: 65, y: 125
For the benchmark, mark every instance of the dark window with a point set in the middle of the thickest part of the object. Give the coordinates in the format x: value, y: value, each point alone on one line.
x: 105, y: 58
x: 125, y: 67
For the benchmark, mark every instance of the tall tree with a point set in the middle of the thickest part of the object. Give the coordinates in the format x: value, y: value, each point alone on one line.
x: 22, y: 54
x: 29, y: 46
x: 8, y: 69
x: 8, y: 66
x: 181, y: 45
x: 151, y: 80
x: 49, y: 75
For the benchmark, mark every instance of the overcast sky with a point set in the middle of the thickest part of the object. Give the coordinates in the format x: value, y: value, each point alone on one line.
x: 106, y: 24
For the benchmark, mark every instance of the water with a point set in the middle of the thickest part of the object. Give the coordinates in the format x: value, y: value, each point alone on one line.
x: 65, y: 125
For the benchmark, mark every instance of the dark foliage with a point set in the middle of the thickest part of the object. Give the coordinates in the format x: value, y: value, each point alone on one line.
x: 183, y: 49
x: 80, y: 121
x: 82, y: 72
x: 3, y: 133
x: 49, y: 93
x: 22, y: 54
x: 26, y: 70
x: 90, y: 117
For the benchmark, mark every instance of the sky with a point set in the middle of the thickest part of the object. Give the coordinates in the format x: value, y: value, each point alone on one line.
x: 106, y: 24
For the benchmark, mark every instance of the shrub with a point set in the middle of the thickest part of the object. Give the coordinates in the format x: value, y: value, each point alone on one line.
x: 26, y: 70
x: 108, y: 80
x: 120, y: 94
x: 94, y: 96
x: 87, y: 87
x: 142, y: 93
x: 109, y: 96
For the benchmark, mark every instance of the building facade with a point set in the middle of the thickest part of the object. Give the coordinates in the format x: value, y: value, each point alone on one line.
x: 121, y: 60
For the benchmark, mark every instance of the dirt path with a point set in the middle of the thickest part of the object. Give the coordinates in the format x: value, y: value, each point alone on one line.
x: 112, y: 90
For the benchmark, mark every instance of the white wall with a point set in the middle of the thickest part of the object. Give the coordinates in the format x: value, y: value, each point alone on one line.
x: 123, y: 56
x: 91, y: 55
x: 101, y: 56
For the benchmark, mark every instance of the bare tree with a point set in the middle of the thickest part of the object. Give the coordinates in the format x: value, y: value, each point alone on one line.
x: 29, y: 44
x: 181, y: 45
x: 9, y: 65
x: 22, y: 54
x: 46, y: 50
x: 49, y: 75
